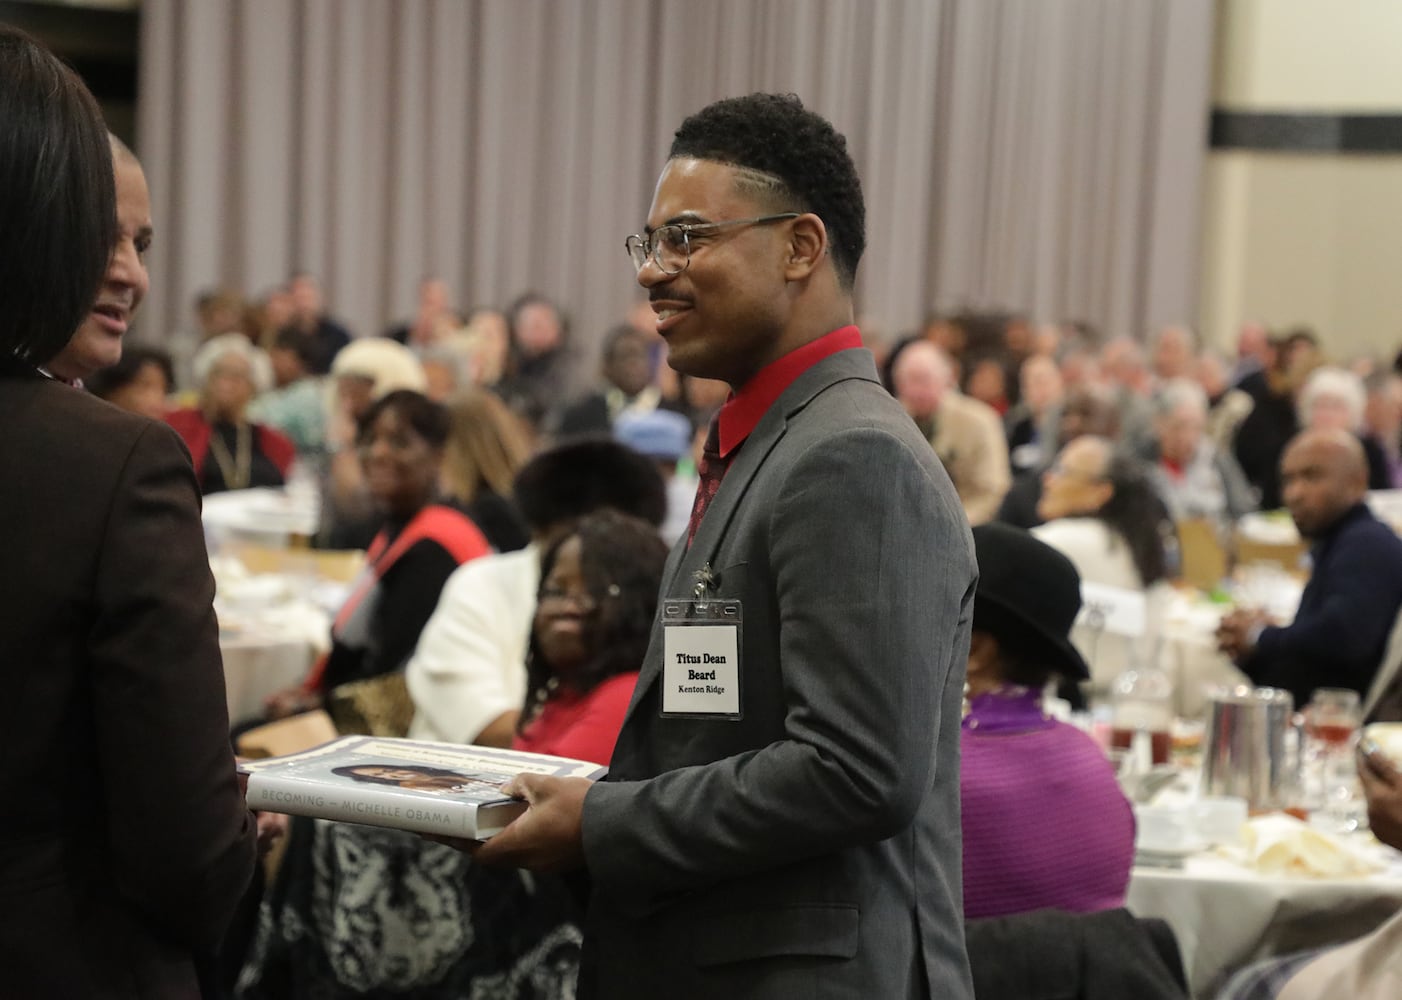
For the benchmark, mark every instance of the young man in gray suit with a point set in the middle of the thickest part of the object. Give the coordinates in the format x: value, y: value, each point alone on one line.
x: 781, y: 816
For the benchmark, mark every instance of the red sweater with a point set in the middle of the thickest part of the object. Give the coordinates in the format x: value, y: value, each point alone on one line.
x: 582, y: 727
x: 195, y: 431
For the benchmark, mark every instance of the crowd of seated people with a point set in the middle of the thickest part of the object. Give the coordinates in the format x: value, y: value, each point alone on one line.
x: 1097, y: 446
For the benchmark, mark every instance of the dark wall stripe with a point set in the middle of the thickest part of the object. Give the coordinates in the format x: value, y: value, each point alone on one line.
x: 1307, y: 133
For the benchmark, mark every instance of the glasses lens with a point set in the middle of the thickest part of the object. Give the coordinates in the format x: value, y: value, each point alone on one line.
x: 670, y: 249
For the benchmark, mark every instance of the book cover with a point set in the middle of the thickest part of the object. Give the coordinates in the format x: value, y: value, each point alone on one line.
x: 442, y: 788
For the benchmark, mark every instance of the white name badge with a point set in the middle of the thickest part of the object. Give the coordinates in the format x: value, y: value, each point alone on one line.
x: 701, y: 658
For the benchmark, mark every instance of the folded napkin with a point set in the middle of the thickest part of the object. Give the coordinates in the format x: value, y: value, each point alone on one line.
x: 1277, y: 844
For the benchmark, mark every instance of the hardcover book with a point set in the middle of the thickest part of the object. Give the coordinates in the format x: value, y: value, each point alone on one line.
x: 441, y: 788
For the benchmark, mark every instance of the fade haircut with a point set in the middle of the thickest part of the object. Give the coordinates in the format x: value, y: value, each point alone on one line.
x: 788, y: 158
x: 58, y: 203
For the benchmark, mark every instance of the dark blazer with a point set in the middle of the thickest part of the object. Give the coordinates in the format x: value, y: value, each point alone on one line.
x: 124, y: 841
x: 812, y: 847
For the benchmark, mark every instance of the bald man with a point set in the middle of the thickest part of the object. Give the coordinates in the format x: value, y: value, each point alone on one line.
x: 966, y: 434
x: 1355, y: 587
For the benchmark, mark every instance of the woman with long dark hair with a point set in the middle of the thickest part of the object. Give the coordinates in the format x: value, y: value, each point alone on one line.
x: 1100, y: 510
x: 598, y: 598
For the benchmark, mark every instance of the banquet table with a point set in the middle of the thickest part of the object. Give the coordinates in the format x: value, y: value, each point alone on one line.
x: 1226, y: 916
x: 272, y: 627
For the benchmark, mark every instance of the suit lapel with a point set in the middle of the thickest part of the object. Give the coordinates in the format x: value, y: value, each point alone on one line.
x: 683, y: 564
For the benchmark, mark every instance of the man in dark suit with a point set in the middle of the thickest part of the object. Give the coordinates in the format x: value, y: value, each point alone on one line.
x: 1354, y: 592
x: 124, y: 842
x: 781, y: 820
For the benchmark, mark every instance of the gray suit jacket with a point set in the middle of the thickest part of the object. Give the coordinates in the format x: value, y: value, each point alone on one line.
x: 812, y: 847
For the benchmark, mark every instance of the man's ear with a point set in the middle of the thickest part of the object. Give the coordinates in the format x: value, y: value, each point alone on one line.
x: 808, y: 245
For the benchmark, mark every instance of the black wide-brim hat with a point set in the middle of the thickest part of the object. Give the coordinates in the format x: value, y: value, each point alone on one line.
x: 1028, y: 597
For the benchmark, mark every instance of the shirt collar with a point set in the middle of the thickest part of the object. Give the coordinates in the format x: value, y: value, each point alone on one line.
x: 742, y: 411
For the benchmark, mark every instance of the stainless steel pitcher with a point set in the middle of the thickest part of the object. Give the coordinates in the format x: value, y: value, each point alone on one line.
x: 1251, y: 747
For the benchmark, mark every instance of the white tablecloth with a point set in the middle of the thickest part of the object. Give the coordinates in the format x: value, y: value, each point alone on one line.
x: 257, y: 666
x: 1226, y: 916
x: 267, y: 516
x: 272, y: 628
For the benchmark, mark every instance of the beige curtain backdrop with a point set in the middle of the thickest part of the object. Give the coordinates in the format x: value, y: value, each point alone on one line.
x: 1043, y: 155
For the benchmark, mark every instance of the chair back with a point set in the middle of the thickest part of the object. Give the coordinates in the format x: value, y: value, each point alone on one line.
x: 1204, y: 560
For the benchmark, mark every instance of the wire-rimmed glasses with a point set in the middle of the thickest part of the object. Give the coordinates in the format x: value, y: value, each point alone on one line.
x: 669, y: 246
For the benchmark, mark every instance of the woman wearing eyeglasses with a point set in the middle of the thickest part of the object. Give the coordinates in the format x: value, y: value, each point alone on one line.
x: 369, y: 911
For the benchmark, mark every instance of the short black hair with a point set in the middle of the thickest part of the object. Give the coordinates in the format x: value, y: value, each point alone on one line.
x: 429, y: 420
x: 776, y: 135
x: 107, y: 381
x: 58, y: 203
x: 574, y: 479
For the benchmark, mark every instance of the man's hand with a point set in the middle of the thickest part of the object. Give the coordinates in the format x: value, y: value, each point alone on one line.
x: 1382, y: 784
x: 1235, y: 635
x: 549, y: 836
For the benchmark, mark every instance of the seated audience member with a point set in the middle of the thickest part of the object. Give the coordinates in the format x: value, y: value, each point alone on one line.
x: 1192, y: 478
x: 449, y: 364
x: 1125, y: 373
x: 217, y: 310
x: 325, y: 336
x: 487, y: 445
x: 491, y: 346
x: 1030, y: 424
x: 1262, y: 436
x: 125, y: 844
x: 1382, y: 424
x: 1172, y: 353
x: 337, y: 930
x: 139, y: 383
x: 466, y: 677
x: 1100, y: 511
x: 986, y: 380
x: 1365, y: 969
x: 966, y: 434
x: 1227, y: 406
x: 666, y: 438
x: 1355, y: 587
x: 1088, y: 409
x: 628, y: 388
x: 593, y: 619
x: 1045, y: 823
x: 401, y: 442
x: 1255, y: 353
x: 434, y: 317
x: 1335, y: 399
x: 230, y: 451
x: 538, y: 370
x: 296, y: 405
x: 366, y: 370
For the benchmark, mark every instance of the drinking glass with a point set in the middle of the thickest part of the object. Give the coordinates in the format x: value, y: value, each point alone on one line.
x: 1332, y: 721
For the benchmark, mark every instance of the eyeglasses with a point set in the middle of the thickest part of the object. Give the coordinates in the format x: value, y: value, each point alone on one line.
x: 669, y: 247
x: 584, y: 601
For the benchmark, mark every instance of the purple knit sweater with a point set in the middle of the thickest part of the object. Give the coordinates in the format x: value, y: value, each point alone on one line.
x: 1045, y: 823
